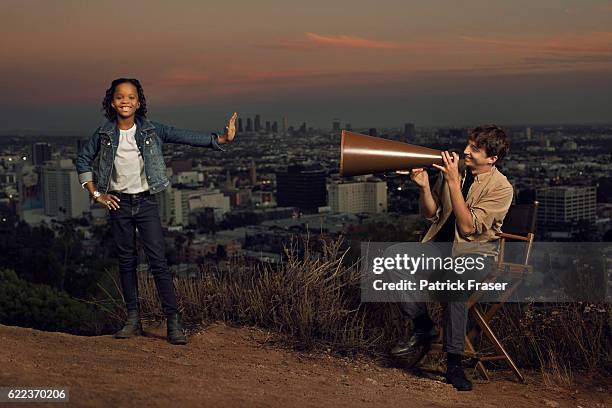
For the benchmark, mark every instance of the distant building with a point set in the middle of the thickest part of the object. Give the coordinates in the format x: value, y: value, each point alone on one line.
x: 372, y: 132
x: 206, y: 217
x: 570, y: 145
x: 566, y: 204
x: 8, y: 178
x: 257, y: 123
x: 284, y: 125
x: 180, y: 165
x: 188, y: 177
x: 41, y: 152
x: 249, y: 126
x: 263, y: 198
x: 238, y: 197
x: 302, y: 188
x: 336, y: 126
x: 252, y: 173
x: 367, y: 196
x: 180, y: 202
x: 63, y: 196
x: 202, y: 246
x: 408, y: 132
x: 240, y: 128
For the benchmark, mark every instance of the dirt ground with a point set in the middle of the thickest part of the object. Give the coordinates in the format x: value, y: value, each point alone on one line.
x: 238, y: 367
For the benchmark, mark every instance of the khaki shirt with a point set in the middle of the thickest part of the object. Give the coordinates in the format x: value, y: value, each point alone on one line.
x: 488, y: 199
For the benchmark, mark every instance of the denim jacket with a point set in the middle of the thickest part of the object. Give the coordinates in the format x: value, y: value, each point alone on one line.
x: 96, y: 158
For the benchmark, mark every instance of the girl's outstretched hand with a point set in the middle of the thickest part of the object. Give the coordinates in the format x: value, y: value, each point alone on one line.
x: 230, y: 130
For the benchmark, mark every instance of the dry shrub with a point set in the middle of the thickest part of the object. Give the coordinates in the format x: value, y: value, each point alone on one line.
x: 555, y: 373
x: 566, y: 335
x: 314, y: 300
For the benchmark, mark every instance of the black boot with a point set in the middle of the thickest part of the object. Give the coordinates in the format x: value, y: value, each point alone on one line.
x: 176, y: 333
x: 132, y: 326
x: 419, y: 339
x: 419, y: 343
x: 412, y: 350
x: 455, y: 374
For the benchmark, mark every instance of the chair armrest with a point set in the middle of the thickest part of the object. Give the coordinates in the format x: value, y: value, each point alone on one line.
x: 513, y: 269
x: 512, y: 236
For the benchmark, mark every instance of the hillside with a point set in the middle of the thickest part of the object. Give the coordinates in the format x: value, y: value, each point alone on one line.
x: 236, y: 367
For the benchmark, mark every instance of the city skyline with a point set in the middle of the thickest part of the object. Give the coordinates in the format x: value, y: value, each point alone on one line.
x: 370, y: 64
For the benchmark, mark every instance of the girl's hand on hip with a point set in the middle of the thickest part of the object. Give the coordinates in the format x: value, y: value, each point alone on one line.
x: 109, y: 201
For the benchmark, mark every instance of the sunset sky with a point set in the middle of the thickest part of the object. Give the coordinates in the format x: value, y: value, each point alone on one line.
x: 370, y: 63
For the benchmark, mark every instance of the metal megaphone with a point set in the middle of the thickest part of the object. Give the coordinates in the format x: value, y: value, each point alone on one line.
x: 361, y: 154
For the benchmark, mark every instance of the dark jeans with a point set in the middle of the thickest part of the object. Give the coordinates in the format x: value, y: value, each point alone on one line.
x: 141, y: 212
x: 454, y: 317
x: 454, y: 321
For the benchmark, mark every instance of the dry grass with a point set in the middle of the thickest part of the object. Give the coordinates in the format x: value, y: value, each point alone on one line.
x: 564, y: 335
x: 555, y: 373
x: 314, y: 301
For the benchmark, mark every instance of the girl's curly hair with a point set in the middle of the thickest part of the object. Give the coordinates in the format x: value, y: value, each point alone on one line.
x: 108, y: 109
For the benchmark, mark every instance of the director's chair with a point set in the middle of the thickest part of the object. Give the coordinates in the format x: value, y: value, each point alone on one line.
x: 519, y: 226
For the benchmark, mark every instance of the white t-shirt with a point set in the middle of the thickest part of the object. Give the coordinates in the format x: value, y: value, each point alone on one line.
x: 128, y: 168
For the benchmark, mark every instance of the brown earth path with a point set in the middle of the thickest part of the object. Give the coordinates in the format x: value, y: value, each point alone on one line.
x: 224, y: 366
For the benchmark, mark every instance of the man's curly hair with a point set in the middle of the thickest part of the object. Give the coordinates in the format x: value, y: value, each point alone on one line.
x: 108, y: 109
x: 492, y: 139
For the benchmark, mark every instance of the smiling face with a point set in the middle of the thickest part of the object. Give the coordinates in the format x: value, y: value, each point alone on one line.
x: 125, y: 100
x: 476, y: 157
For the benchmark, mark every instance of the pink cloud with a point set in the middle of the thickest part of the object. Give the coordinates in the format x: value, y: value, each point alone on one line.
x: 595, y: 42
x: 314, y: 40
x: 182, y: 76
x: 257, y: 81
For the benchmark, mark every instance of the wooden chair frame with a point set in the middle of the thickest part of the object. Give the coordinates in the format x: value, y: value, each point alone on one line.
x: 483, y: 316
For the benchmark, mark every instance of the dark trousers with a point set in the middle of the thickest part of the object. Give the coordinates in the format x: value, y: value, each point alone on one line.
x: 454, y: 316
x: 454, y: 321
x: 141, y: 212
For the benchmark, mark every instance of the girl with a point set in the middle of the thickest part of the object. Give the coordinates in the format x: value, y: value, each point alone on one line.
x: 122, y: 167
